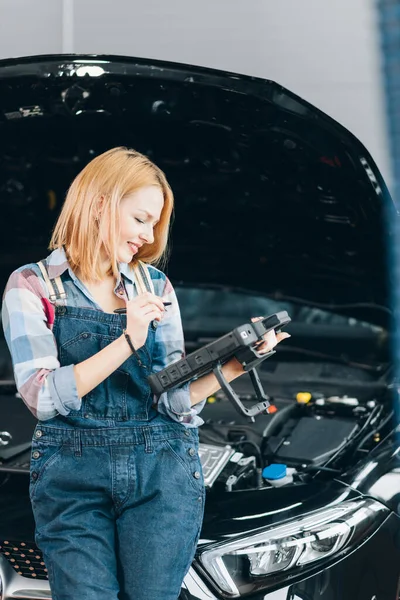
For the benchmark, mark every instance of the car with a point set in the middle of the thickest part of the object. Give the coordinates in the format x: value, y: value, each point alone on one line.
x: 278, y: 207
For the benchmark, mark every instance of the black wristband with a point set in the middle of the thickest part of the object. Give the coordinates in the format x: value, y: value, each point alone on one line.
x: 132, y: 347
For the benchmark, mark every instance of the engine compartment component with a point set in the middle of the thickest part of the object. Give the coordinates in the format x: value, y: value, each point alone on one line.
x: 213, y: 461
x: 227, y: 468
x: 278, y: 474
x: 311, y: 439
x: 309, y: 434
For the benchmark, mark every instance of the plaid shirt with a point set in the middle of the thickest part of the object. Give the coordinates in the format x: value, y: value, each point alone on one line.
x: 28, y: 316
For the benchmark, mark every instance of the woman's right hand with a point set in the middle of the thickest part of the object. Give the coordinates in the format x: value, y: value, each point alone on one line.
x: 139, y: 313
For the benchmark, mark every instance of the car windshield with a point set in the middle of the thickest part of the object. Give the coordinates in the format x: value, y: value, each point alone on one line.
x: 207, y: 311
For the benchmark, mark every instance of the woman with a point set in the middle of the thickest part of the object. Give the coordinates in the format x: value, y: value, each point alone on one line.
x: 116, y: 484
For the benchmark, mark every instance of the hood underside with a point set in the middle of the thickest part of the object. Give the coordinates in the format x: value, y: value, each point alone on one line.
x: 271, y: 194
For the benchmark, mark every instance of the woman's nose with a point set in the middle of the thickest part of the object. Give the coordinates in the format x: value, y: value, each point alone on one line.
x: 148, y: 235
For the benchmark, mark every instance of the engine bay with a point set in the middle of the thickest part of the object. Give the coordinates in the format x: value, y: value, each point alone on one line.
x: 307, y: 433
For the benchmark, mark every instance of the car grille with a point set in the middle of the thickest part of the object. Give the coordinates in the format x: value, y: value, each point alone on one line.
x: 25, y: 558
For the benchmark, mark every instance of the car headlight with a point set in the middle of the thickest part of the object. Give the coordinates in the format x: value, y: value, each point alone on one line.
x: 240, y: 565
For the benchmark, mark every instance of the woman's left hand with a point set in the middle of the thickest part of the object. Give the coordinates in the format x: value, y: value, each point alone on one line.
x: 271, y: 339
x: 234, y: 368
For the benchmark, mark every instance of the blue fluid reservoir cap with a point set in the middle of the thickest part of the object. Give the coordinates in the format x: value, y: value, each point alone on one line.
x: 274, y: 471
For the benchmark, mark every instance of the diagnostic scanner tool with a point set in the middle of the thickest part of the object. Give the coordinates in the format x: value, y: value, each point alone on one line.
x: 240, y: 343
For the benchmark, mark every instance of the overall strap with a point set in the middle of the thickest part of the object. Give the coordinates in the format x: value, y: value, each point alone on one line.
x: 144, y: 283
x: 54, y: 295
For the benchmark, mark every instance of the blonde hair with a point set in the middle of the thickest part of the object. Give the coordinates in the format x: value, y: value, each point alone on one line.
x: 110, y: 176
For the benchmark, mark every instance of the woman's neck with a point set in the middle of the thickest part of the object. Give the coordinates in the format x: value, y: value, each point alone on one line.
x: 106, y: 276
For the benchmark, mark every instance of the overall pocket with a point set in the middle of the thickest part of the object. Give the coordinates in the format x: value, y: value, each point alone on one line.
x: 43, y: 457
x: 185, y: 454
x: 80, y: 347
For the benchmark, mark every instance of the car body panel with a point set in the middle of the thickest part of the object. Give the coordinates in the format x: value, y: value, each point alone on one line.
x: 291, y: 203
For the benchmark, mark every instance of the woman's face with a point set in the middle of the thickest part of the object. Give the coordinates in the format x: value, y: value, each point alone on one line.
x: 138, y: 214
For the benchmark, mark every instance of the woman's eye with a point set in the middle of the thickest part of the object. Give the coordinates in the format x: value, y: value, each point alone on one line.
x: 139, y: 221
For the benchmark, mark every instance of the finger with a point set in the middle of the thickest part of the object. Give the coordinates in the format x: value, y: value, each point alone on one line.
x: 150, y: 300
x: 154, y: 315
x: 282, y: 335
x: 158, y: 302
x: 270, y: 337
x: 255, y: 319
x: 269, y: 345
x: 151, y: 308
x: 264, y: 348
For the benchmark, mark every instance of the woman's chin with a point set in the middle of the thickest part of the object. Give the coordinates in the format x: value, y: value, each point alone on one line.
x: 126, y: 257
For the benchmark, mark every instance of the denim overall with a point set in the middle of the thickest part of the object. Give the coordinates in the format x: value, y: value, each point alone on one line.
x: 116, y: 488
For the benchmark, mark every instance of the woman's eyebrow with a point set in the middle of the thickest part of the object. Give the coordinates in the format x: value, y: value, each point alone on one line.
x: 148, y: 214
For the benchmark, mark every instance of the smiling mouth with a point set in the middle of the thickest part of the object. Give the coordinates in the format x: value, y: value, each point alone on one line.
x: 134, y: 247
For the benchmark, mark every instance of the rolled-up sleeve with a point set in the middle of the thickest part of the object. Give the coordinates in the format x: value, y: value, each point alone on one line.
x: 46, y: 388
x: 168, y: 348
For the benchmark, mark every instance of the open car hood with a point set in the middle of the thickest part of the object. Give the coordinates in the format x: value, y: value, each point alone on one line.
x: 271, y: 194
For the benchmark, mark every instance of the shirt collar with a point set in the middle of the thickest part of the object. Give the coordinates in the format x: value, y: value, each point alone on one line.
x: 57, y: 264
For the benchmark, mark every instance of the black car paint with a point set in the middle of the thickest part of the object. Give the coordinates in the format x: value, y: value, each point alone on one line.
x: 378, y: 475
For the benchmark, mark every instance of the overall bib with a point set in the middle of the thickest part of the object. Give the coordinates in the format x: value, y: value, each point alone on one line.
x: 116, y: 488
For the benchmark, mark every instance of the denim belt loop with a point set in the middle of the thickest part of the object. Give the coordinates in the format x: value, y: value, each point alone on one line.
x: 148, y: 441
x: 77, y: 443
